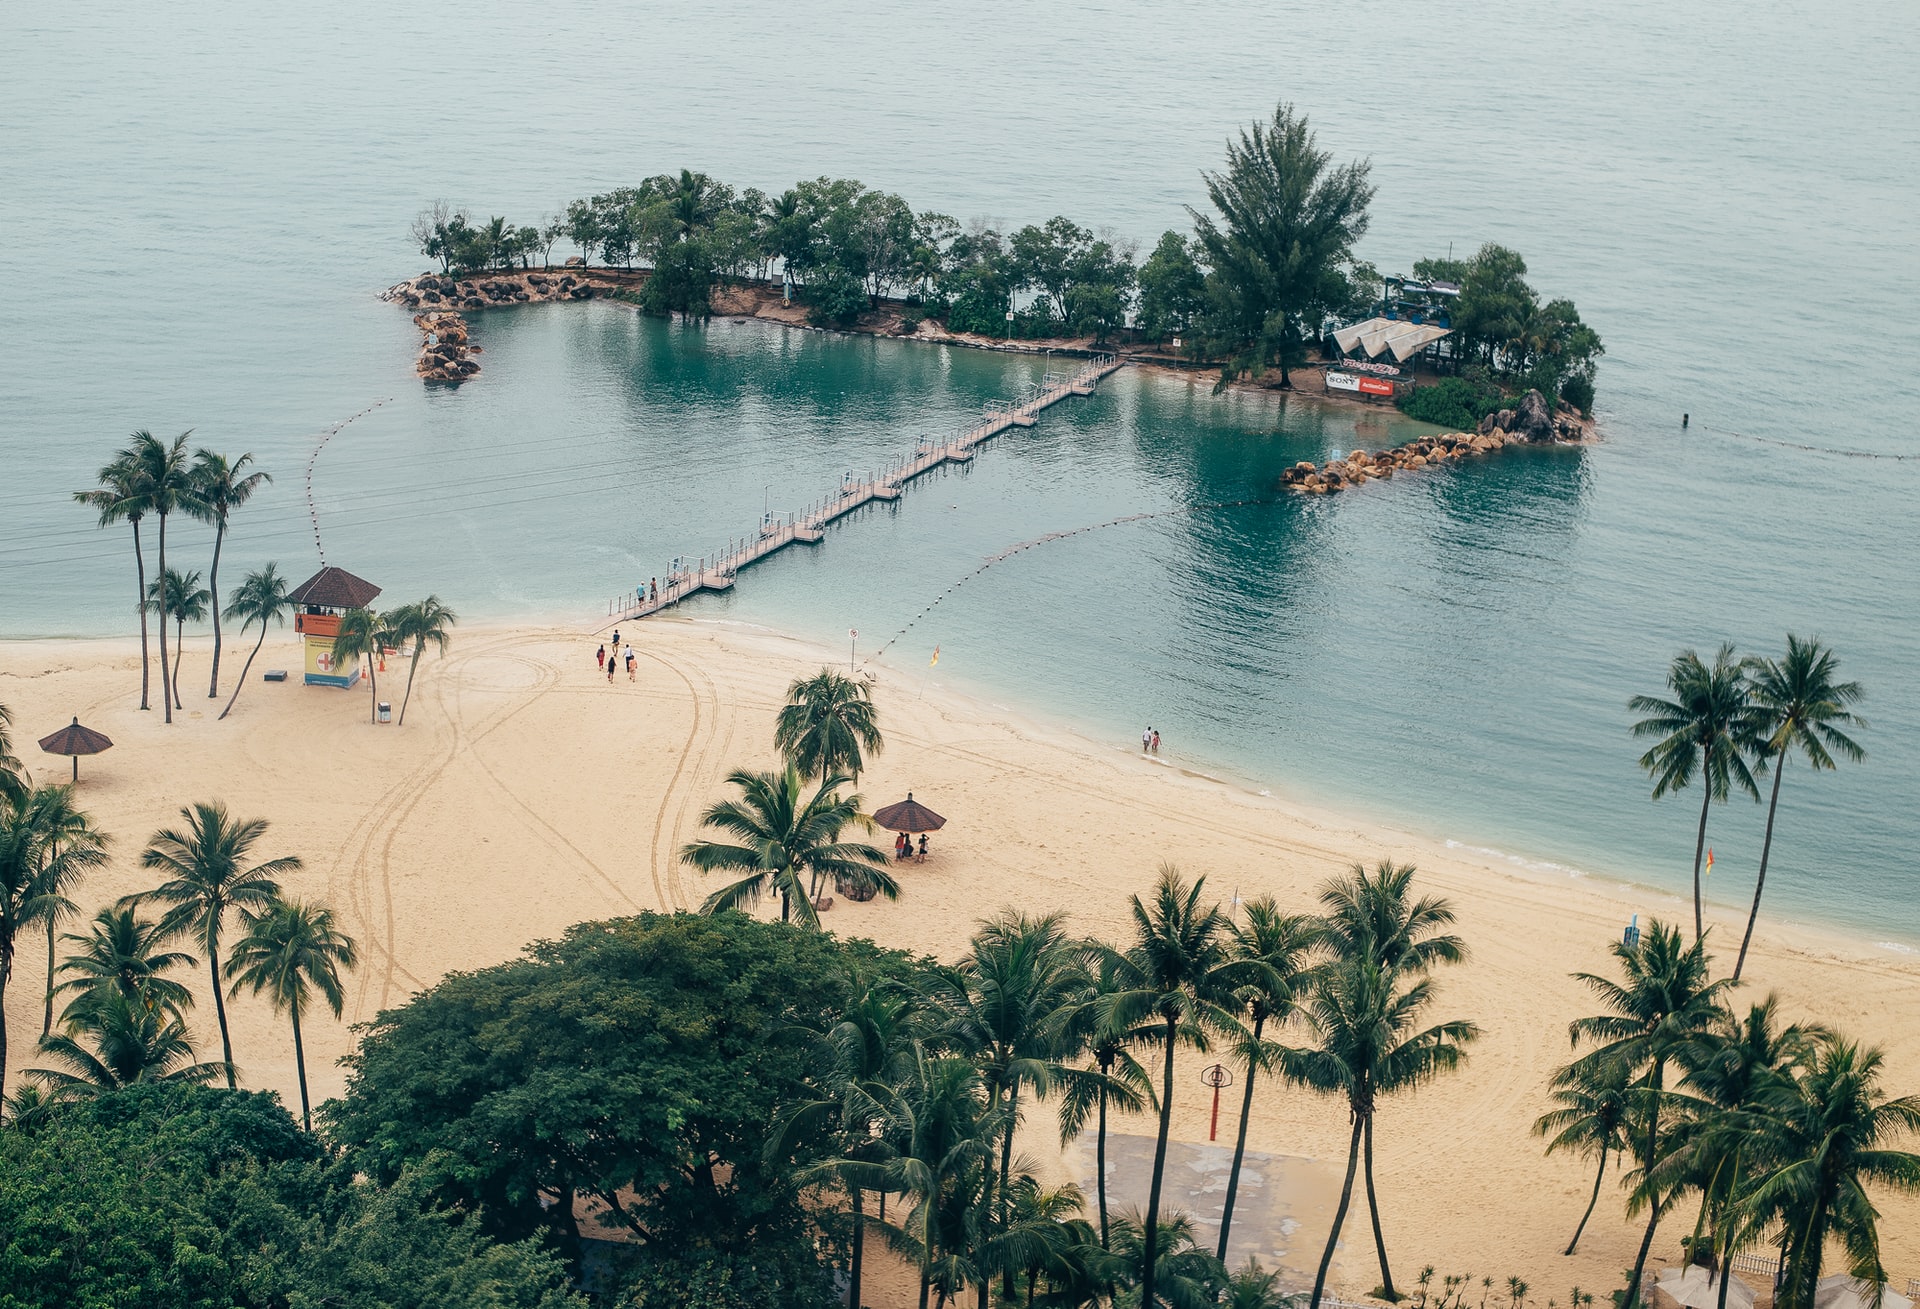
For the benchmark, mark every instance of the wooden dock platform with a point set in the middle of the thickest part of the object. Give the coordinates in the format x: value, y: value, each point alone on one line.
x: 688, y: 577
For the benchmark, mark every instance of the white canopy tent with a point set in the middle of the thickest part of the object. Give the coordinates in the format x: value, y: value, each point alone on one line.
x: 1696, y: 1288
x: 1404, y: 339
x: 1842, y: 1292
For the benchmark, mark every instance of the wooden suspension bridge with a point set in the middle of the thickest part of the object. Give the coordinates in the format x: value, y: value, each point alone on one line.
x: 687, y: 577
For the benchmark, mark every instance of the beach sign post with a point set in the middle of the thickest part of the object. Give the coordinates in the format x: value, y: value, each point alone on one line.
x: 1216, y: 1076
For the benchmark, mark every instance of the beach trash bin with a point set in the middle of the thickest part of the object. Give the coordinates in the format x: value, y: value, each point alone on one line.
x: 386, y: 711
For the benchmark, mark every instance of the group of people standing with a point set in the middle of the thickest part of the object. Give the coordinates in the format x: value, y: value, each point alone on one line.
x: 1149, y: 742
x: 609, y: 660
x: 903, y: 848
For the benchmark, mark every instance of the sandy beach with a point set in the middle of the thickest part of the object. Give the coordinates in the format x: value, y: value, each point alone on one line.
x: 525, y: 793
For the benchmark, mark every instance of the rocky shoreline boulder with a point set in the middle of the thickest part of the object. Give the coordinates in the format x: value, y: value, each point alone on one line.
x: 445, y: 355
x: 1530, y: 422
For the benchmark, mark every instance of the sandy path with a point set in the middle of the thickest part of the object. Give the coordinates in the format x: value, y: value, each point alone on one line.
x: 525, y: 793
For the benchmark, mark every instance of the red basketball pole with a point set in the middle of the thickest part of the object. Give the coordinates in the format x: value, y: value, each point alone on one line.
x: 1216, y: 1076
x: 1213, y: 1127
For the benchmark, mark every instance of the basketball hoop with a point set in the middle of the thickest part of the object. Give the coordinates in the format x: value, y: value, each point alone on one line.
x: 1216, y: 1076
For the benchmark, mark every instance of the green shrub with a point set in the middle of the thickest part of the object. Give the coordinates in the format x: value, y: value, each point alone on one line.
x: 1578, y: 392
x: 1456, y: 402
x: 835, y: 297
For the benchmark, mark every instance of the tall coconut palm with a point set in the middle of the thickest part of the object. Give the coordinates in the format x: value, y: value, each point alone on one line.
x: 946, y: 1131
x: 1116, y: 1080
x: 206, y: 864
x: 1595, y: 1107
x: 1365, y: 1016
x: 1799, y: 707
x: 1007, y: 1003
x: 1833, y: 1138
x: 184, y: 601
x: 262, y: 599
x: 1187, y: 1277
x: 70, y: 848
x: 1178, y: 975
x: 1666, y: 1000
x: 421, y: 624
x: 1040, y: 1231
x: 1704, y: 731
x: 122, y: 497
x: 290, y: 951
x: 1375, y: 916
x: 787, y: 844
x: 1284, y: 945
x: 828, y: 720
x: 221, y: 485
x: 13, y: 774
x: 364, y: 634
x: 122, y: 952
x: 166, y: 487
x: 132, y: 1045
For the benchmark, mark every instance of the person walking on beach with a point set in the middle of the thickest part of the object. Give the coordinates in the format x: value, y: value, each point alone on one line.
x: 616, y: 638
x: 1146, y: 740
x: 613, y: 663
x: 1156, y: 743
x: 630, y: 665
x: 600, y: 657
x: 653, y: 590
x: 923, y: 847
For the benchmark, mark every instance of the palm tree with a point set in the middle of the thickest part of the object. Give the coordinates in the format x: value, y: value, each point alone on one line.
x: 1185, y: 1274
x: 1364, y: 1013
x: 364, y: 634
x: 291, y: 950
x: 122, y: 497
x: 1116, y: 1078
x: 122, y: 952
x: 1007, y: 1004
x: 1254, y: 1287
x: 262, y: 598
x: 944, y: 1169
x: 165, y: 487
x: 1039, y: 1231
x: 828, y: 720
x: 185, y: 602
x: 1666, y: 1001
x: 1283, y: 945
x: 1596, y: 1105
x: 1703, y: 730
x: 1833, y: 1137
x: 13, y: 773
x: 1178, y: 975
x: 424, y: 623
x: 132, y: 1044
x: 70, y: 848
x: 1798, y: 706
x: 787, y: 845
x: 221, y: 486
x: 208, y: 874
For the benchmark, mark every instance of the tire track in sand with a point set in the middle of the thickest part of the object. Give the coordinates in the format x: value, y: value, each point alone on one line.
x: 664, y: 860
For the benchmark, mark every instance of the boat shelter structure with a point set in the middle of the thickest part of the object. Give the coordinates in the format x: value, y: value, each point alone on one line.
x: 318, y: 604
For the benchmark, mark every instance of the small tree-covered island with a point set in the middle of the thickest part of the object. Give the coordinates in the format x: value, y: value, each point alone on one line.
x: 1268, y: 280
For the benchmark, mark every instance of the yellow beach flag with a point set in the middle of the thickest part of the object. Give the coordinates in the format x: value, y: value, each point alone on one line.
x: 936, y: 657
x: 1709, y: 867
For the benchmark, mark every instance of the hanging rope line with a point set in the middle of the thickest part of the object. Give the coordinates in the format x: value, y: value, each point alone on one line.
x: 1024, y: 546
x: 1812, y: 449
x: 313, y: 511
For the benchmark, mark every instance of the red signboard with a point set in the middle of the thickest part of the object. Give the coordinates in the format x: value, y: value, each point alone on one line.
x: 1374, y: 386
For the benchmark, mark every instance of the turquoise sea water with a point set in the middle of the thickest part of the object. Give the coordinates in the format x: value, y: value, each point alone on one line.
x: 203, y: 200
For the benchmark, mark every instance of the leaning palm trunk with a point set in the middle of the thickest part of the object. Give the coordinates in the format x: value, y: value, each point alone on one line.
x: 1700, y: 849
x: 859, y: 1244
x: 419, y: 647
x: 166, y: 683
x: 1373, y: 1207
x: 220, y: 1008
x: 1239, y: 1149
x: 1339, y: 1215
x: 1100, y: 1162
x: 213, y: 590
x: 140, y: 574
x: 1152, y: 1243
x: 299, y: 1066
x: 1760, y: 883
x: 46, y: 1019
x: 245, y: 669
x: 1591, y: 1202
x: 179, y: 642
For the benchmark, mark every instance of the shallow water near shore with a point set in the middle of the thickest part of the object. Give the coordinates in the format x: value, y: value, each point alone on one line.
x: 212, y: 197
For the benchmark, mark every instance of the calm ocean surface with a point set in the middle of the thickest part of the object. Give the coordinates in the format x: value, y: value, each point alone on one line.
x: 202, y: 201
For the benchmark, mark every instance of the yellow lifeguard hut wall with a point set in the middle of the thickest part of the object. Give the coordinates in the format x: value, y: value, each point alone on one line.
x: 317, y: 632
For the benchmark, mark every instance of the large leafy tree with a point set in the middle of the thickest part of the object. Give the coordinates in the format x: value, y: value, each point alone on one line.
x: 209, y: 872
x: 639, y: 1062
x: 261, y: 599
x: 1287, y: 222
x: 220, y: 485
x: 1172, y: 288
x: 828, y: 725
x: 292, y: 950
x: 787, y: 843
x: 1799, y: 707
x: 1284, y: 947
x: 1702, y: 733
x: 122, y: 497
x: 1178, y: 975
x: 1834, y: 1137
x: 1665, y: 1000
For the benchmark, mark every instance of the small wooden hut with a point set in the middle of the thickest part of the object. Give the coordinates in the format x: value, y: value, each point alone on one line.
x: 319, y: 601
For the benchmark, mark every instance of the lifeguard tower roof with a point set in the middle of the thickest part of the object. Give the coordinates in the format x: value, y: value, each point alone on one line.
x: 334, y: 588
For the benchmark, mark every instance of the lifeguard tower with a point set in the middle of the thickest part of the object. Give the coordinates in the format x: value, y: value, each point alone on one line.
x: 319, y: 601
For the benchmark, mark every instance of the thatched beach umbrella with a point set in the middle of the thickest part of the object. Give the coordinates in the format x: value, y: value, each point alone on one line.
x: 909, y: 816
x: 76, y: 740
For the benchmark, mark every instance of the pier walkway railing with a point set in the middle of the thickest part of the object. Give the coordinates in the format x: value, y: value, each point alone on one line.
x: 689, y: 576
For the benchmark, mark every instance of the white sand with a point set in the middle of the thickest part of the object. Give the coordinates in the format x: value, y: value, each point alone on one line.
x: 525, y: 793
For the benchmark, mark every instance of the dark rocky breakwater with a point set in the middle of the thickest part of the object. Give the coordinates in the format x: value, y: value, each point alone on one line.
x: 1530, y: 422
